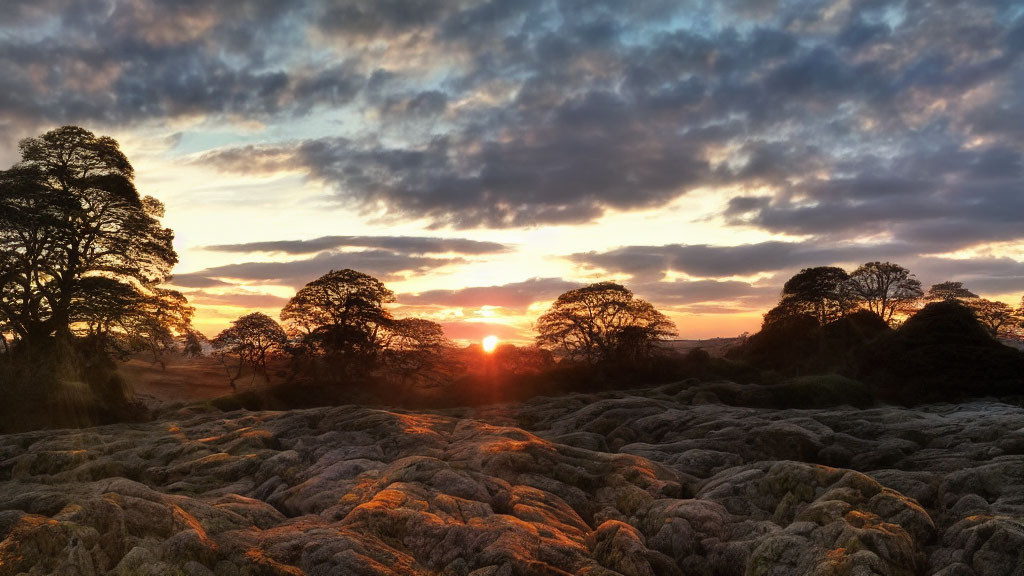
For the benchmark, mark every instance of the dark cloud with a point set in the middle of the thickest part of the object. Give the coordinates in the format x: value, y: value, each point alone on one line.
x: 940, y: 201
x: 383, y: 264
x: 516, y: 296
x: 982, y: 275
x: 692, y: 292
x: 590, y: 157
x: 810, y: 91
x: 195, y: 281
x: 401, y: 244
x: 707, y: 261
x: 835, y: 121
x: 779, y: 261
x: 127, y: 61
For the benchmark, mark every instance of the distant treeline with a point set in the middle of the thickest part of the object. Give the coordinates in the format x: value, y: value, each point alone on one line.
x: 834, y: 337
x: 83, y: 256
x: 877, y: 325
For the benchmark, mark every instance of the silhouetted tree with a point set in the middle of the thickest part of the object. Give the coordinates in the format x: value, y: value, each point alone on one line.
x: 415, y: 347
x: 192, y: 343
x: 160, y: 320
x: 1020, y: 317
x: 885, y: 288
x: 949, y: 291
x: 997, y: 317
x: 250, y: 339
x: 602, y: 322
x: 519, y: 360
x: 823, y: 292
x: 70, y: 214
x: 341, y: 316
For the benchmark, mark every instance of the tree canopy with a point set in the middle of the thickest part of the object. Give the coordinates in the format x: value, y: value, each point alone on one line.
x: 415, y: 347
x: 822, y: 292
x: 341, y: 315
x: 999, y: 318
x: 949, y: 291
x: 76, y: 238
x: 602, y: 322
x: 250, y: 339
x: 885, y: 288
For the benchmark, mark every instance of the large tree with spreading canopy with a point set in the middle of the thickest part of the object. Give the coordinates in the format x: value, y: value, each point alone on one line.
x: 602, y: 322
x: 341, y: 316
x: 76, y: 238
x: 885, y: 288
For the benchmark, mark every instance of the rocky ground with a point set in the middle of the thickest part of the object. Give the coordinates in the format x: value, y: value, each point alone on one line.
x: 661, y: 482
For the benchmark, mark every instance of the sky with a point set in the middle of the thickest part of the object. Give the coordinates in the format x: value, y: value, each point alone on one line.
x: 481, y: 157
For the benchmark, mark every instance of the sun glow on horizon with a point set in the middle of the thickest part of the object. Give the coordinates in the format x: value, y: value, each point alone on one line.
x: 490, y: 343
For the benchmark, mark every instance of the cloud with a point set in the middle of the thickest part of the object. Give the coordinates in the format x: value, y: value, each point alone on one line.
x: 248, y: 300
x: 559, y: 139
x: 400, y: 244
x: 840, y: 123
x: 986, y: 275
x: 590, y: 158
x: 692, y: 292
x: 384, y: 264
x: 515, y: 296
x: 709, y: 261
x: 130, y: 61
x: 195, y: 281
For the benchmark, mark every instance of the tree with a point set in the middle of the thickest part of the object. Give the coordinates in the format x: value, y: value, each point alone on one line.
x: 70, y: 215
x: 997, y: 317
x: 250, y: 339
x: 1020, y: 318
x: 415, y: 347
x: 119, y: 318
x: 192, y: 343
x: 158, y: 322
x: 602, y: 322
x: 519, y: 360
x: 341, y: 316
x: 946, y: 291
x: 885, y: 288
x: 822, y: 292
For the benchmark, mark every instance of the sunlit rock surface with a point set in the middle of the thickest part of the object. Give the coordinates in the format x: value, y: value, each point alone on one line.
x: 634, y: 484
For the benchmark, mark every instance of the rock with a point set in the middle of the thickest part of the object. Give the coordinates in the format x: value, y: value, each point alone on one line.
x: 623, y: 483
x: 138, y: 560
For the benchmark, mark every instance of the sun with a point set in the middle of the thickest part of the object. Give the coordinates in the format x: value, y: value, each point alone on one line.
x: 490, y: 343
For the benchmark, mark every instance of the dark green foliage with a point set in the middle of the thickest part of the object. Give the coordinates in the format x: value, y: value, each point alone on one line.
x: 949, y: 291
x: 787, y: 343
x: 942, y: 353
x: 844, y: 339
x: 817, y: 391
x: 70, y: 215
x: 69, y: 386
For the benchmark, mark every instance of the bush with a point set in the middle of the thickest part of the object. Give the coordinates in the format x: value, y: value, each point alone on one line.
x: 63, y: 385
x: 818, y: 391
x: 789, y: 345
x: 942, y: 353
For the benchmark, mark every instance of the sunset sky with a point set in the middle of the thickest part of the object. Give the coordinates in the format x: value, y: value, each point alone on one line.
x: 482, y: 157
